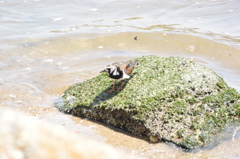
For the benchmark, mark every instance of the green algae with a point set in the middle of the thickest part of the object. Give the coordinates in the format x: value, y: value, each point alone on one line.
x: 166, y: 99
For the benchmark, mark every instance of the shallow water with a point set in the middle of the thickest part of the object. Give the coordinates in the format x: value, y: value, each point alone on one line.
x: 47, y: 46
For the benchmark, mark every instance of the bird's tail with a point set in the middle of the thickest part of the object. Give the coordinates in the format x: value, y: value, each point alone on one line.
x: 134, y: 63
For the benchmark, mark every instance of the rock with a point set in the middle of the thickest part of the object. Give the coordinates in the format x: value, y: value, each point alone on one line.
x: 23, y: 137
x: 166, y: 99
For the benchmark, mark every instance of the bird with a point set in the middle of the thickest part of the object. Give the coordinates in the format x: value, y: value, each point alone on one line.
x: 119, y: 71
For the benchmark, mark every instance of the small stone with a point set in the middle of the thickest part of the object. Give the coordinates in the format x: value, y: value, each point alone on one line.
x: 153, y: 138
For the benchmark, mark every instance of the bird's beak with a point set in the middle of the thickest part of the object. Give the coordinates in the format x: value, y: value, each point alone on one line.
x: 102, y: 71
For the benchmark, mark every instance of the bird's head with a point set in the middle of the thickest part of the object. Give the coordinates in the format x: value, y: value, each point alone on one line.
x: 108, y: 69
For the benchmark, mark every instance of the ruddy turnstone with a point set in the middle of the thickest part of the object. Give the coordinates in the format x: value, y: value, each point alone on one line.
x: 119, y: 71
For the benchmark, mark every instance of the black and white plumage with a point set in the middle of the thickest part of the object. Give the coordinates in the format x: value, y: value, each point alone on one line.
x: 119, y: 71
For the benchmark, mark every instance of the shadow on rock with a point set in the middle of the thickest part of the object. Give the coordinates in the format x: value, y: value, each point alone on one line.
x: 105, y: 95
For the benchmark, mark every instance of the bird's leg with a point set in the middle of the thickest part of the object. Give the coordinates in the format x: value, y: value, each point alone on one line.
x: 123, y: 82
x: 113, y: 88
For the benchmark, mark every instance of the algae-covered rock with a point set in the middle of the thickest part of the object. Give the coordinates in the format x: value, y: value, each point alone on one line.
x: 166, y: 99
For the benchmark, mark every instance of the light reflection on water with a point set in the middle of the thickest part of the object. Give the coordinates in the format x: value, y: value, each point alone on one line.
x: 212, y: 19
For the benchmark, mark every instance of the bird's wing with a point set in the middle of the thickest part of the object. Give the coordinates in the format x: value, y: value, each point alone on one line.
x: 118, y: 64
x: 128, y: 67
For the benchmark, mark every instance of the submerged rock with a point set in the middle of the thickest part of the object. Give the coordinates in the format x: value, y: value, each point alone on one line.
x: 166, y: 99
